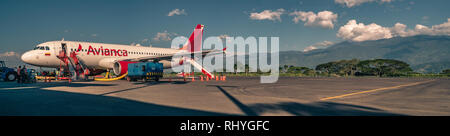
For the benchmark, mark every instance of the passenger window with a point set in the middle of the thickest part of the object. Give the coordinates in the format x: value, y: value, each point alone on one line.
x: 41, y: 48
x: 47, y: 48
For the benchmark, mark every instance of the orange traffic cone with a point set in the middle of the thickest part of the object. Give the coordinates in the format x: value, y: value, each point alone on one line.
x: 201, y: 78
x: 207, y: 78
x: 193, y: 79
x: 217, y: 78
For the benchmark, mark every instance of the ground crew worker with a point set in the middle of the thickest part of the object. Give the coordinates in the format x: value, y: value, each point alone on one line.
x: 19, y: 79
x: 24, y: 74
x: 56, y: 74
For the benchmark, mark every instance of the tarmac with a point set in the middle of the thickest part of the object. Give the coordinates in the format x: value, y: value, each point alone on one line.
x: 290, y: 96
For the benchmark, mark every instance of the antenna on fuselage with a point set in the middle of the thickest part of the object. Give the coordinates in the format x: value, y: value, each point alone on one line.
x: 62, y: 39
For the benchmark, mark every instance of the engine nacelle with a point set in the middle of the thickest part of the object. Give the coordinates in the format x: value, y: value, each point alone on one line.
x: 121, y: 67
x: 107, y: 63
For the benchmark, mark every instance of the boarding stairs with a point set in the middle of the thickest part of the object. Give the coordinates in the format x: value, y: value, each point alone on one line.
x: 73, y: 62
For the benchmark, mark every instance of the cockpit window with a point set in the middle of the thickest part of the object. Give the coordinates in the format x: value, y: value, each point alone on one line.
x: 41, y: 48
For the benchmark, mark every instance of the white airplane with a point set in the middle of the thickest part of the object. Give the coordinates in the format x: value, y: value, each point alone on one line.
x: 99, y: 57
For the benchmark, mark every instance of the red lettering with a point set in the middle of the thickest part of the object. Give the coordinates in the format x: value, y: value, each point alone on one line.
x: 97, y: 51
x: 125, y: 53
x: 90, y: 50
x: 104, y: 51
x: 119, y: 52
x: 107, y: 52
x: 113, y: 51
x: 101, y: 48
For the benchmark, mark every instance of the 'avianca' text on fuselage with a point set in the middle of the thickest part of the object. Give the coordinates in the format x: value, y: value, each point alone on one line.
x: 104, y: 51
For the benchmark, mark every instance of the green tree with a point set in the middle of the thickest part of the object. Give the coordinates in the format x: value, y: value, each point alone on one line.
x: 325, y: 68
x: 342, y: 67
x: 297, y: 69
x: 285, y: 68
x: 384, y: 67
x: 446, y: 72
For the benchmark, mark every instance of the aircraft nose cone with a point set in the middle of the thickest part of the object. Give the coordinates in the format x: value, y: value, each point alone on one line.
x: 26, y: 57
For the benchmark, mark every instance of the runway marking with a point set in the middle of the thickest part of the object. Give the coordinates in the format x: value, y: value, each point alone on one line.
x: 373, y: 90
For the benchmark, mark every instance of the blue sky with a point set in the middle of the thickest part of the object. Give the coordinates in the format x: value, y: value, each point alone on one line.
x: 26, y: 23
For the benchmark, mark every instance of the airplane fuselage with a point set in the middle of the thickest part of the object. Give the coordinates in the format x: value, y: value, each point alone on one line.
x: 94, y: 55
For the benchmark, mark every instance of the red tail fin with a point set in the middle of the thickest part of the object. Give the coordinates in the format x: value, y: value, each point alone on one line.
x: 195, y: 40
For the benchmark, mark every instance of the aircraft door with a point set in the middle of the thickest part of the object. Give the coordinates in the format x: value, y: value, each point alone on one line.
x: 61, y: 50
x: 64, y: 47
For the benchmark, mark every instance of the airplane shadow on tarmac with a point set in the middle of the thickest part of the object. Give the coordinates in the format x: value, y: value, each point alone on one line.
x: 321, y: 109
x: 40, y: 102
x: 146, y: 85
x: 307, y: 109
x: 51, y: 84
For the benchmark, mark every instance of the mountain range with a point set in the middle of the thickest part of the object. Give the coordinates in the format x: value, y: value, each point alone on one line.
x: 425, y: 54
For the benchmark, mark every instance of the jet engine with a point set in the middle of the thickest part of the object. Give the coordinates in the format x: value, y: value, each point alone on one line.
x: 121, y: 67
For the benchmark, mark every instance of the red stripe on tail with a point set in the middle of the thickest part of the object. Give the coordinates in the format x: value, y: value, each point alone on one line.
x: 195, y: 40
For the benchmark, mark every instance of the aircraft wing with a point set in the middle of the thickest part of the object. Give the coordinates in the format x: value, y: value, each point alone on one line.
x: 169, y: 57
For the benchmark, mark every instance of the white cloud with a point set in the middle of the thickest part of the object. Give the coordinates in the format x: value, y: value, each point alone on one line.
x: 145, y: 40
x: 441, y: 29
x: 135, y: 44
x: 352, y: 3
x: 325, y: 19
x: 164, y: 36
x: 267, y: 14
x: 358, y: 32
x: 319, y: 45
x: 177, y: 12
x: 9, y: 54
